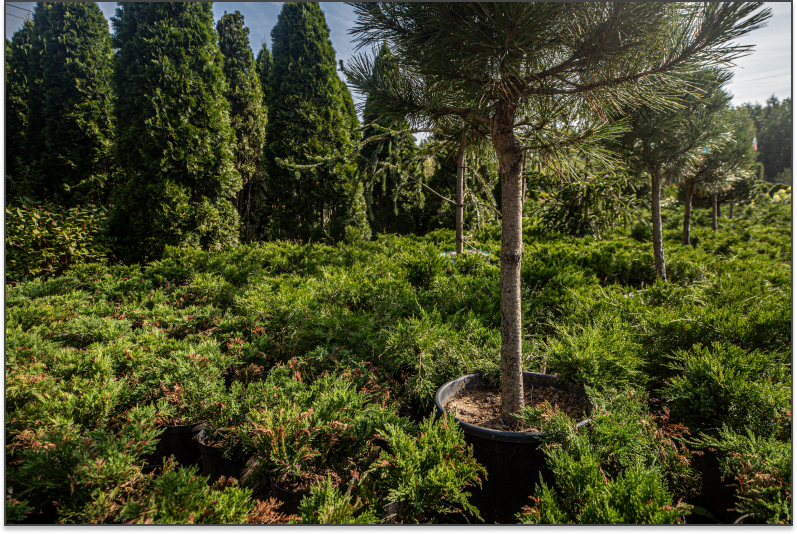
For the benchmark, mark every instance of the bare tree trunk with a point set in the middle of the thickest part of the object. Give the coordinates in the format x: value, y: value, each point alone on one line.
x: 730, y: 215
x: 510, y: 157
x: 658, y: 243
x: 248, y: 203
x: 460, y: 209
x: 687, y: 215
x: 714, y: 211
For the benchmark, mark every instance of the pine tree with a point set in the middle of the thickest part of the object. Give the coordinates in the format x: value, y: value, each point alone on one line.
x: 263, y: 66
x: 76, y: 70
x: 247, y: 112
x: 539, y: 75
x: 174, y: 143
x: 666, y: 142
x: 17, y: 57
x: 309, y: 118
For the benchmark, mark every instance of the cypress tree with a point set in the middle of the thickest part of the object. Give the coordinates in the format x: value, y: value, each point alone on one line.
x: 76, y: 70
x: 263, y: 66
x: 247, y: 112
x: 174, y: 142
x: 17, y: 57
x: 308, y: 119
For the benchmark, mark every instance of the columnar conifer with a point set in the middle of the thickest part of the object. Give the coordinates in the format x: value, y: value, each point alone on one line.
x: 76, y: 71
x: 34, y: 138
x: 309, y: 117
x: 173, y: 136
x: 247, y: 111
x: 17, y: 58
x: 263, y: 66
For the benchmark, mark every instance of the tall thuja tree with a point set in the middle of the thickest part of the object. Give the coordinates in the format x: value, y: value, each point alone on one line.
x: 18, y: 52
x: 174, y: 143
x: 665, y: 143
x: 308, y: 119
x: 263, y: 67
x: 527, y: 69
x: 724, y: 161
x: 247, y: 112
x: 76, y: 81
x: 37, y: 118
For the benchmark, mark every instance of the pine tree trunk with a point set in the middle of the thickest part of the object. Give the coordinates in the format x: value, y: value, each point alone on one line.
x: 714, y: 211
x: 459, y: 198
x: 687, y: 215
x: 730, y: 214
x: 510, y: 157
x: 658, y: 243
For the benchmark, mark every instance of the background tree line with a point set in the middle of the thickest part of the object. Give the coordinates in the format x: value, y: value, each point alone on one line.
x: 188, y: 139
x: 173, y: 125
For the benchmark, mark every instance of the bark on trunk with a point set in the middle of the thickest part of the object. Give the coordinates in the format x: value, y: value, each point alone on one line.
x: 510, y: 157
x: 730, y: 210
x: 714, y: 212
x: 460, y: 209
x: 658, y: 244
x: 687, y: 215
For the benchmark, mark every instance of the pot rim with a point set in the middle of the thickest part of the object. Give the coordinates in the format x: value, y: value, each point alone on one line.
x: 488, y: 433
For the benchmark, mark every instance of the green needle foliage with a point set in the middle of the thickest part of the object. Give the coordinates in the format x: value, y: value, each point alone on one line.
x: 310, y: 116
x: 175, y: 146
x: 18, y: 54
x: 76, y: 70
x: 247, y: 113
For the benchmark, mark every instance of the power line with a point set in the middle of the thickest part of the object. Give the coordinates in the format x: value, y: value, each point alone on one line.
x: 22, y: 8
x: 764, y: 78
x: 20, y: 18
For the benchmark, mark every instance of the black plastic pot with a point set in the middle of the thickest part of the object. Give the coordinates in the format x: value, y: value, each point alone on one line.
x: 180, y: 441
x: 214, y: 463
x: 717, y: 496
x: 290, y: 498
x: 514, y: 460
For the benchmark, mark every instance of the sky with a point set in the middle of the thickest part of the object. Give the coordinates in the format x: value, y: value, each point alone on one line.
x: 767, y: 71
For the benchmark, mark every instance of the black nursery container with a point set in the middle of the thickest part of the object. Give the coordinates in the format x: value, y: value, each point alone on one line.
x: 180, y: 441
x: 214, y: 463
x: 514, y: 460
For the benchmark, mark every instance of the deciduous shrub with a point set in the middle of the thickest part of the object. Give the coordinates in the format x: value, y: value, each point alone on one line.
x: 44, y: 240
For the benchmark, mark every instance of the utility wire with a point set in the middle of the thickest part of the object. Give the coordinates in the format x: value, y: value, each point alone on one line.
x: 22, y: 8
x: 20, y: 18
x: 762, y: 78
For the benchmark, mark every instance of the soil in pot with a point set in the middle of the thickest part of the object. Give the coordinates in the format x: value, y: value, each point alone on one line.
x: 214, y: 464
x: 514, y: 460
x: 482, y: 407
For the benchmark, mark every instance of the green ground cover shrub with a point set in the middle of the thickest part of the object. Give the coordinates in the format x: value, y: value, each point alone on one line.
x: 255, y: 336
